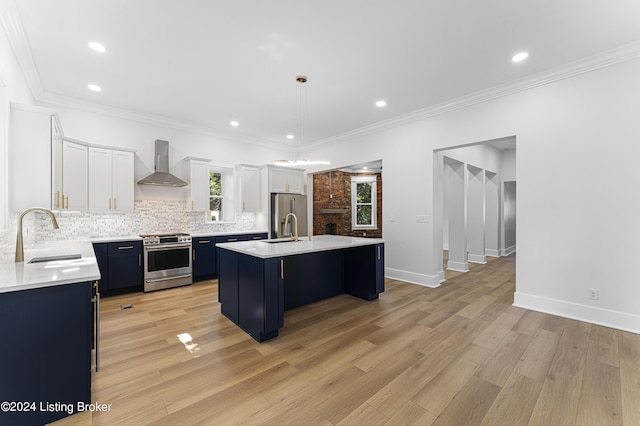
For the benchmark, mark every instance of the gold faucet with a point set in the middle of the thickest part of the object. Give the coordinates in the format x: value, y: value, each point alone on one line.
x: 294, y: 236
x: 19, y: 244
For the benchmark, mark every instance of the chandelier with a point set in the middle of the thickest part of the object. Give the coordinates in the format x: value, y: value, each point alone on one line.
x: 301, y: 107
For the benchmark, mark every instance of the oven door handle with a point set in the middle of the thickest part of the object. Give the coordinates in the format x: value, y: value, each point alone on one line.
x: 167, y: 247
x: 168, y: 278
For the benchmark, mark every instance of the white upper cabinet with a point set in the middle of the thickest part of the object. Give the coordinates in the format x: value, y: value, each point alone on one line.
x: 56, y: 153
x: 111, y: 180
x: 74, y: 176
x: 199, y: 185
x: 123, y: 180
x: 250, y: 189
x: 284, y: 179
x: 29, y: 161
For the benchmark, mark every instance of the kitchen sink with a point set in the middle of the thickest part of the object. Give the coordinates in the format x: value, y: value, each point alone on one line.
x: 52, y: 258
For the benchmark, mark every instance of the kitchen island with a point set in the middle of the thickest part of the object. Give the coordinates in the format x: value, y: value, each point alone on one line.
x: 259, y: 280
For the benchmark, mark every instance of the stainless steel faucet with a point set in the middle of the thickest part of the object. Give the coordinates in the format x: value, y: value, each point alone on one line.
x: 294, y: 235
x: 19, y: 243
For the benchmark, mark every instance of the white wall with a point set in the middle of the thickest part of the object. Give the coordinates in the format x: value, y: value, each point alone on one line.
x: 577, y: 195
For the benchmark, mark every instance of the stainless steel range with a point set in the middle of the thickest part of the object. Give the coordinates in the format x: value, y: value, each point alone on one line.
x: 167, y: 261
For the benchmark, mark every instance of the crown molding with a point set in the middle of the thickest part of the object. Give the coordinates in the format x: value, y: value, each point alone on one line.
x: 56, y: 100
x: 601, y: 60
x: 10, y: 20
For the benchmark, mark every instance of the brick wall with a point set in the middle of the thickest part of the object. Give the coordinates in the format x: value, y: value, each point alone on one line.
x: 332, y: 191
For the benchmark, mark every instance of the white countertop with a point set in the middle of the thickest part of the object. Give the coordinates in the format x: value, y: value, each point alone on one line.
x: 285, y: 247
x: 24, y: 275
x: 221, y: 233
x: 115, y: 239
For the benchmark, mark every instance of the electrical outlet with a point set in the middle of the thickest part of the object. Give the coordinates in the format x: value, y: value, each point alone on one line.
x: 421, y: 218
x: 594, y: 294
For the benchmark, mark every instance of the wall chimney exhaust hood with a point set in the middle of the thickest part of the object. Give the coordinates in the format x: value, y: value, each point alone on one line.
x: 161, y: 175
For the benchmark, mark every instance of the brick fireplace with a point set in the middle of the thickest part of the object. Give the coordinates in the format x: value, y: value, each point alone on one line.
x: 332, y: 204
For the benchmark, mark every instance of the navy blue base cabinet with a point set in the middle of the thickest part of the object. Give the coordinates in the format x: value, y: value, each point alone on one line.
x: 364, y: 271
x: 205, y: 255
x: 46, y: 352
x: 120, y: 266
x: 255, y: 292
x: 203, y: 260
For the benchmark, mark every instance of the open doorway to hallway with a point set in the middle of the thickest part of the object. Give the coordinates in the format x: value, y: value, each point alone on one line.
x: 475, y: 193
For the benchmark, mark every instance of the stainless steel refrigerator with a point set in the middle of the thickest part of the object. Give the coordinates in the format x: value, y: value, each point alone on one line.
x: 281, y: 206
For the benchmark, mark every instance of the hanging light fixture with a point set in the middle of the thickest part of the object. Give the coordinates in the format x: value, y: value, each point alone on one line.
x: 301, y: 108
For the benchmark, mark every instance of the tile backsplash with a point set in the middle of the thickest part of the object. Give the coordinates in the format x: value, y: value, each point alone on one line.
x: 148, y: 217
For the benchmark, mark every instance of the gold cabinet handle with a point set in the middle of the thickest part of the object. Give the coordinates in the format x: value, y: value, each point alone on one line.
x: 378, y: 252
x: 115, y: 204
x: 125, y: 247
x: 282, y: 269
x: 56, y: 204
x: 193, y: 253
x: 139, y: 259
x: 109, y: 203
x: 192, y: 205
x: 232, y: 240
x: 67, y: 202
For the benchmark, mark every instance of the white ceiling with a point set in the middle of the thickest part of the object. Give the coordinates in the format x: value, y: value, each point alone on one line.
x: 202, y: 63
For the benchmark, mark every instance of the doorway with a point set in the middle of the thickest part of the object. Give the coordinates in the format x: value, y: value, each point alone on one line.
x: 474, y: 204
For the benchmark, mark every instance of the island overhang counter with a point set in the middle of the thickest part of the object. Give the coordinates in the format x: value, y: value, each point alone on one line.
x: 259, y: 280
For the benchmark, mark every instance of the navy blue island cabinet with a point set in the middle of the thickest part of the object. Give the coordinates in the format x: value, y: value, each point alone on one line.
x: 255, y: 291
x: 45, y: 360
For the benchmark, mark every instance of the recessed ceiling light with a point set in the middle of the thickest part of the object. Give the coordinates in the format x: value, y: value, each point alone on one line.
x: 234, y: 123
x: 290, y: 136
x: 381, y: 104
x: 519, y: 57
x: 97, y: 46
x: 94, y: 87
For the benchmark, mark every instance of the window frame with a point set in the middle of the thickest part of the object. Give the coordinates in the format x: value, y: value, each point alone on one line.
x: 227, y: 180
x: 355, y: 180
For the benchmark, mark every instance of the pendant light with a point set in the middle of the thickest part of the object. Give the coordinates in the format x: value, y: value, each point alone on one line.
x: 301, y: 108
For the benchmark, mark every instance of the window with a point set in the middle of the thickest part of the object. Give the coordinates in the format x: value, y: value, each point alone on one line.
x: 363, y: 202
x: 215, y: 196
x: 221, y: 205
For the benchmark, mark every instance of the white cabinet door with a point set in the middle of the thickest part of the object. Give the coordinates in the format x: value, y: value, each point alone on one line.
x: 110, y: 180
x: 74, y: 176
x: 123, y: 181
x: 100, y: 179
x: 199, y: 183
x: 56, y: 152
x: 278, y: 180
x: 250, y: 189
x: 294, y: 180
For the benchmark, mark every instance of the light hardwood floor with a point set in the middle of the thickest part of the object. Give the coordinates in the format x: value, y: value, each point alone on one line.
x: 460, y: 354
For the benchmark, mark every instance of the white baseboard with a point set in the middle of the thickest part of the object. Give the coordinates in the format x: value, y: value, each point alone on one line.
x: 458, y: 266
x: 508, y: 251
x: 492, y: 252
x: 432, y: 281
x: 590, y: 314
x: 477, y: 258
